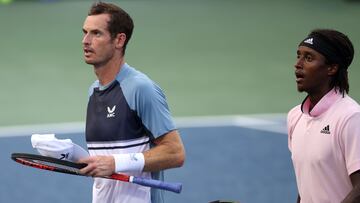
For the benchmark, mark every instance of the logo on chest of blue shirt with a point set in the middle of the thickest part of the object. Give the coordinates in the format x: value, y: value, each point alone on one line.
x: 111, y: 112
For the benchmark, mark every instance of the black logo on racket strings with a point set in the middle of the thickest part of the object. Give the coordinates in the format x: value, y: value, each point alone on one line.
x: 64, y: 156
x: 325, y: 130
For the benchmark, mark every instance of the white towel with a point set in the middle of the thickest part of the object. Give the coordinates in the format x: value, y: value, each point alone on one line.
x: 64, y: 149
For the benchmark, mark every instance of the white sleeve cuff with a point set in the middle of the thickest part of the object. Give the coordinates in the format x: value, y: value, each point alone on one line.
x: 133, y: 162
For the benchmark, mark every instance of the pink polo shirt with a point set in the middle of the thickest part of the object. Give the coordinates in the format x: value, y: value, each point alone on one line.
x: 325, y: 147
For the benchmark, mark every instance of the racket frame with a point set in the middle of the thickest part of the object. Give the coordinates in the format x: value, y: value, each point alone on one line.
x: 31, y: 160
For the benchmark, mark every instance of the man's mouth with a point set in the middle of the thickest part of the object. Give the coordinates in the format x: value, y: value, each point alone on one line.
x: 299, y: 76
x: 87, y: 51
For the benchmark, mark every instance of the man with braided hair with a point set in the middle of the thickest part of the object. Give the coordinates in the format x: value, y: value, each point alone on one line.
x: 324, y: 131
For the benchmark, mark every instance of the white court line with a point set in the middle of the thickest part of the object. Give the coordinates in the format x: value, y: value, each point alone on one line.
x: 266, y: 122
x: 59, y: 128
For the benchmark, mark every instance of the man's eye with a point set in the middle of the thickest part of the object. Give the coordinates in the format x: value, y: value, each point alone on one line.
x: 97, y: 34
x: 308, y: 58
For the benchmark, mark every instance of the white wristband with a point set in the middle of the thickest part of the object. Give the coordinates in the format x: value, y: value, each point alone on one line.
x: 133, y: 162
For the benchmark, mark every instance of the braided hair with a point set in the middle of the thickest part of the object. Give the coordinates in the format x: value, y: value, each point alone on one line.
x: 345, y: 52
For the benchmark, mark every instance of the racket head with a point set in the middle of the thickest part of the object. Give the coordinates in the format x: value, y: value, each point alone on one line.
x: 48, y: 163
x: 62, y: 166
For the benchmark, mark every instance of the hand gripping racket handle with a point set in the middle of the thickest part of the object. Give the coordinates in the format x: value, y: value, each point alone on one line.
x: 174, y: 187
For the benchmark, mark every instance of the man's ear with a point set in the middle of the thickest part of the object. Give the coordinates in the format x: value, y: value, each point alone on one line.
x: 333, y: 69
x: 120, y: 40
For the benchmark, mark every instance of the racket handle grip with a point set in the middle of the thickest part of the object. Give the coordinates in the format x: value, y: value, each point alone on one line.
x: 173, y: 187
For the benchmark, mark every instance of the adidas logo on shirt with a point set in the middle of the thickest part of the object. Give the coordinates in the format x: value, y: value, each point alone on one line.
x: 309, y: 41
x: 111, y: 111
x: 325, y: 130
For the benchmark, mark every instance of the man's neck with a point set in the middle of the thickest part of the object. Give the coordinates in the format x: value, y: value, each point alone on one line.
x: 107, y: 73
x: 316, y: 97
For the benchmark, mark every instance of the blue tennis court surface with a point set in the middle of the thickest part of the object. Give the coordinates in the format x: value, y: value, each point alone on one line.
x: 241, y: 159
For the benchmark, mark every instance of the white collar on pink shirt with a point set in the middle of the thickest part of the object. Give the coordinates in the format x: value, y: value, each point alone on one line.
x: 323, y: 105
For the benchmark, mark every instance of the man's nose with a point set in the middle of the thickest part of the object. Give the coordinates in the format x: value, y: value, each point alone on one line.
x: 299, y: 63
x: 86, y: 39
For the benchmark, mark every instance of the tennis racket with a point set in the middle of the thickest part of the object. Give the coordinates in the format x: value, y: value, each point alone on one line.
x: 62, y: 166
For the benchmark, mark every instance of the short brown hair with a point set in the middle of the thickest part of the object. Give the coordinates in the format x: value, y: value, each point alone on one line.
x: 120, y: 20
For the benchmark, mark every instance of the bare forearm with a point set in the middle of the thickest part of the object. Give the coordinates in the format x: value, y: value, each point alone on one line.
x: 161, y: 158
x: 353, y: 196
x: 169, y: 153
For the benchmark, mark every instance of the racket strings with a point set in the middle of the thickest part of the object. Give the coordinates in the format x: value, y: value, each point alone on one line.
x: 58, y: 166
x: 47, y: 165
